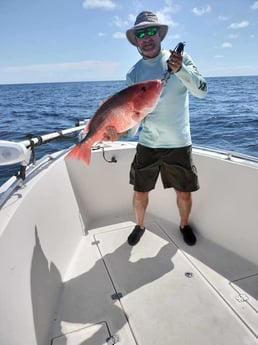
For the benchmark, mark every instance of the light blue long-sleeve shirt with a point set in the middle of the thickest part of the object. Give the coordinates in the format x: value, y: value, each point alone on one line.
x: 168, y: 125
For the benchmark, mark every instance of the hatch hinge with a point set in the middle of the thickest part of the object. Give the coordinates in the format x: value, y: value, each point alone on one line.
x: 112, y: 340
x: 242, y: 298
x: 116, y: 296
x: 95, y: 243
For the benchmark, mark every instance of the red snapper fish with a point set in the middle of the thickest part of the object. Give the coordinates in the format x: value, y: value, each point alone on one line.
x: 123, y: 110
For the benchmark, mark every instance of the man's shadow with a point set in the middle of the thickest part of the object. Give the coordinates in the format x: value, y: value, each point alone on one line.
x: 45, y: 283
x: 92, y: 290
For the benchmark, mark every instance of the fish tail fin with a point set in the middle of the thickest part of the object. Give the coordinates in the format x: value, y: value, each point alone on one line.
x: 81, y: 152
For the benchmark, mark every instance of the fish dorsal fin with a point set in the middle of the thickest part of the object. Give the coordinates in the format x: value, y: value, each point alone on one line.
x: 104, y: 100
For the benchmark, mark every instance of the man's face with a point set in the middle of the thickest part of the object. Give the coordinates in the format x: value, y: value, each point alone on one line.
x: 148, y: 41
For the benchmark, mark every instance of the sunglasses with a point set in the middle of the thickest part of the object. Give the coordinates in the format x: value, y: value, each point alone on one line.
x: 141, y: 33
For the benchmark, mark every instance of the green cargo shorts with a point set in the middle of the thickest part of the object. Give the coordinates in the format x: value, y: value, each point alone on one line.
x: 175, y: 166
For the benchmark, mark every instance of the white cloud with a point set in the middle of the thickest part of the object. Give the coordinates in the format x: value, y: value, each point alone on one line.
x: 170, y: 7
x: 232, y: 36
x: 118, y: 35
x: 164, y: 14
x: 165, y: 18
x: 226, y: 45
x: 104, y: 4
x: 119, y: 22
x: 201, y: 11
x: 131, y: 18
x: 218, y: 56
x: 239, y: 25
x: 222, y: 18
x: 254, y: 6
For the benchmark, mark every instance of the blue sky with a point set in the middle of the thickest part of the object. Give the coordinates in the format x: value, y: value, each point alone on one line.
x: 81, y: 40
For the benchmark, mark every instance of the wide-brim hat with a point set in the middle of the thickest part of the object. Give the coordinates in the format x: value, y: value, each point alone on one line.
x: 143, y: 20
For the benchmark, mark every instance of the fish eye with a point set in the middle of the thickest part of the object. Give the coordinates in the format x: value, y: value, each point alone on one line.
x: 143, y: 88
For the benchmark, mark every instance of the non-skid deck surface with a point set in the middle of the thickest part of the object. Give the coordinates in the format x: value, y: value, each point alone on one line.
x: 158, y: 292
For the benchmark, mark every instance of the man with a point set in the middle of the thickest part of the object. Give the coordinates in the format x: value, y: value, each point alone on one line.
x: 165, y: 141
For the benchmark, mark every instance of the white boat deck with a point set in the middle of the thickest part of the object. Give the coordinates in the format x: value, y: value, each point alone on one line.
x: 158, y: 292
x: 70, y: 278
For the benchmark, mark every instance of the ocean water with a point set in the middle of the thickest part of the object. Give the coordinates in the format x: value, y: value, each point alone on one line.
x: 226, y: 119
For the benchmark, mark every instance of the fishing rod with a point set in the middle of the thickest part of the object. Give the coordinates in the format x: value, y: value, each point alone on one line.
x: 16, y: 152
x: 20, y: 152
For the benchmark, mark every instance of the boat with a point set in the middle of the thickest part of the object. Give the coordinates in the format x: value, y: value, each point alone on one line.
x: 68, y: 276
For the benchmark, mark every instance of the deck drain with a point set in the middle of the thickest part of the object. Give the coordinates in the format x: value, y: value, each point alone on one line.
x: 188, y: 274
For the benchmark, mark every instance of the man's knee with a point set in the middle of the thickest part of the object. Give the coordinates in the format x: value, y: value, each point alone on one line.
x: 184, y: 196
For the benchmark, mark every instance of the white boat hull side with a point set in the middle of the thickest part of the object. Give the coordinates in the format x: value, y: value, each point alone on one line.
x: 225, y: 209
x: 40, y: 230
